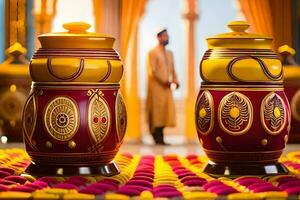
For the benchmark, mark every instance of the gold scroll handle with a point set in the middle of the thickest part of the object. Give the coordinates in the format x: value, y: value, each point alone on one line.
x: 259, y: 61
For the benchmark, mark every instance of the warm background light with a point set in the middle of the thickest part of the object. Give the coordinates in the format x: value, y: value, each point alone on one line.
x: 73, y: 11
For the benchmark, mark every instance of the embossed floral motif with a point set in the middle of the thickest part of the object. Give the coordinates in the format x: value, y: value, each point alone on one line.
x: 273, y: 113
x: 235, y: 113
x: 98, y: 116
x: 204, y: 113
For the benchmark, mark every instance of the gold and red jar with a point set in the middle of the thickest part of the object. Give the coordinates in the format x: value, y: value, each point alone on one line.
x: 291, y: 84
x: 242, y: 114
x: 14, y: 88
x: 292, y: 91
x: 74, y: 120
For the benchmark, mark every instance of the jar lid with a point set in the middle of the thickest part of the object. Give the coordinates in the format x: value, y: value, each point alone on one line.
x: 239, y: 38
x: 77, y: 37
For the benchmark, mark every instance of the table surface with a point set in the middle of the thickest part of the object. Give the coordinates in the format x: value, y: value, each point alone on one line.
x: 148, y: 172
x: 145, y: 149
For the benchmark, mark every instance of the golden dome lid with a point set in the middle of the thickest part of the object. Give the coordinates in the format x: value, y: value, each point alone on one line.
x: 239, y: 38
x: 76, y: 37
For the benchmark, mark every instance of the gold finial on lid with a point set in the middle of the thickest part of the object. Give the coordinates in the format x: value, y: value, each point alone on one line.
x: 76, y: 27
x: 238, y: 26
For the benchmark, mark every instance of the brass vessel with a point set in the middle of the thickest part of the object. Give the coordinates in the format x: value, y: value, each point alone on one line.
x: 242, y: 114
x: 14, y: 88
x: 75, y: 118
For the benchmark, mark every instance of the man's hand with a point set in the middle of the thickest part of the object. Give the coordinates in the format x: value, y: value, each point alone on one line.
x: 176, y: 84
x: 173, y: 85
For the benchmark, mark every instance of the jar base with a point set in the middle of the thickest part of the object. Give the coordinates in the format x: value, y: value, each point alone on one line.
x: 109, y: 169
x: 228, y: 170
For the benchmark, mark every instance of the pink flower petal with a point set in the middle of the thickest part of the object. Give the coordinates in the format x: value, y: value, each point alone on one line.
x: 18, y: 179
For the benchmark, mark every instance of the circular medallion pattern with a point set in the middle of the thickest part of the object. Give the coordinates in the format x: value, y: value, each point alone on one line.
x: 98, y: 118
x: 272, y: 113
x: 61, y: 118
x: 121, y: 116
x: 205, y: 113
x: 235, y: 114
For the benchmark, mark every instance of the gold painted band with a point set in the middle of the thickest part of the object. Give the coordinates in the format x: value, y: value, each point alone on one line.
x: 77, y: 56
x: 59, y: 85
x: 243, y: 152
x: 242, y: 88
x: 240, y: 50
x: 246, y: 161
x: 72, y: 155
x: 233, y: 56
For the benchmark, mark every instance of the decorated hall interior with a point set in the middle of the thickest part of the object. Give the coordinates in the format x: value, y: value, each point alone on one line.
x: 149, y: 99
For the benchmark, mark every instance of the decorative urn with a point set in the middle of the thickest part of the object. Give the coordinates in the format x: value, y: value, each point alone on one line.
x: 74, y: 119
x: 14, y: 88
x: 291, y: 84
x: 242, y: 114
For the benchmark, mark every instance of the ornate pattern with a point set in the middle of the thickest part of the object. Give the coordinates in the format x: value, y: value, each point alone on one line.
x: 273, y: 113
x: 263, y: 66
x: 205, y: 113
x: 121, y: 116
x: 295, y: 106
x: 98, y: 116
x: 61, y: 118
x: 235, y: 114
x: 30, y: 116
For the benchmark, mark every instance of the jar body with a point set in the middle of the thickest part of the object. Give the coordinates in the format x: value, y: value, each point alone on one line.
x: 236, y: 122
x: 74, y: 124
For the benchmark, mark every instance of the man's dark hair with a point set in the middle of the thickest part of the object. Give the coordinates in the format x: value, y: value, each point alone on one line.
x: 161, y: 32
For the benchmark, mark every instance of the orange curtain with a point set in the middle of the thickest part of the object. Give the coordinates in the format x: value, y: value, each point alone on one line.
x: 98, y: 13
x: 270, y: 17
x: 131, y: 13
x: 107, y: 19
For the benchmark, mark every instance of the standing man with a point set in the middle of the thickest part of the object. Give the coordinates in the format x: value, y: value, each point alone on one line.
x: 161, y: 79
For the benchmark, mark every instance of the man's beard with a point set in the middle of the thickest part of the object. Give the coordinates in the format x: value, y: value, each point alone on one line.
x: 165, y: 43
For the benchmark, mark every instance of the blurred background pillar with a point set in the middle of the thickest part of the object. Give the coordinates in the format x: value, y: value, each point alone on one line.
x: 107, y: 18
x: 2, y: 28
x: 44, y: 12
x: 131, y: 13
x: 15, y: 16
x: 191, y: 15
x: 14, y: 74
